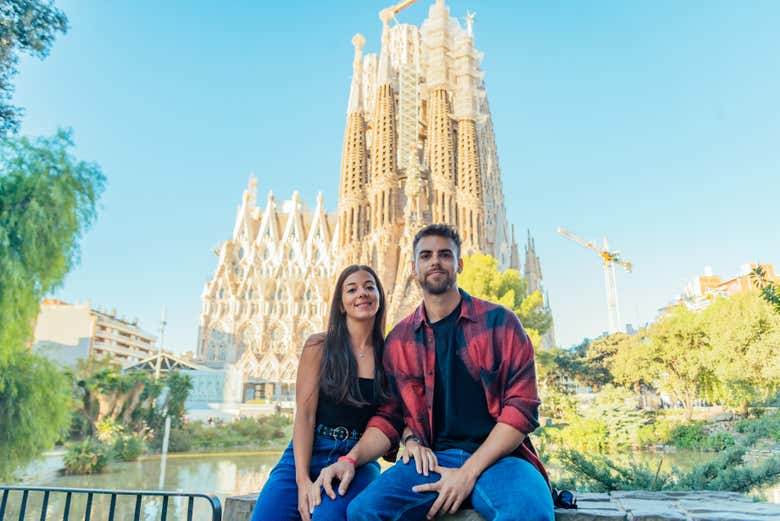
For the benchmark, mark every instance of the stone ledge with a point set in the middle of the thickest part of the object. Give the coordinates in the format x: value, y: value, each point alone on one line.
x: 620, y: 505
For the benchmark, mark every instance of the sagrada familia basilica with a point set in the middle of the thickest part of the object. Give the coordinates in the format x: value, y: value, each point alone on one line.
x: 419, y: 148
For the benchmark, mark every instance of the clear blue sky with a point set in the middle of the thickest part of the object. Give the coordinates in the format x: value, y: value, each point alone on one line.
x: 656, y: 123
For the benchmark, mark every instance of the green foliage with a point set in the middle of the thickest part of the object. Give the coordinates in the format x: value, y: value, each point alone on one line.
x: 47, y: 200
x: 179, y: 386
x: 108, y: 431
x: 35, y: 401
x: 481, y: 278
x: 771, y: 294
x: 610, y: 423
x: 127, y: 448
x: 690, y: 436
x: 88, y: 457
x: 179, y: 440
x: 600, y: 474
x: 27, y: 26
x: 767, y: 426
x: 744, y: 333
x: 718, y: 441
x: 728, y: 471
x: 244, y: 432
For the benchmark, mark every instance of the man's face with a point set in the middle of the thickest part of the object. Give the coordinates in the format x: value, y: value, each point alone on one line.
x: 436, y: 264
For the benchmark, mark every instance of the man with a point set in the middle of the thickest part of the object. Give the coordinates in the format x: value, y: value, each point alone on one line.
x: 462, y: 376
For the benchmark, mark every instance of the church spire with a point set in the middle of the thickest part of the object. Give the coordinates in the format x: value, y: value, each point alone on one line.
x: 383, y: 145
x: 471, y: 211
x: 353, y: 212
x: 441, y: 149
x: 355, y: 91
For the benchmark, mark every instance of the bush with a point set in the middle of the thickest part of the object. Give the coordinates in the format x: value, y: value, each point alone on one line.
x: 88, y: 457
x: 179, y: 440
x: 690, y: 436
x: 127, y: 448
x: 718, y: 441
x: 767, y: 426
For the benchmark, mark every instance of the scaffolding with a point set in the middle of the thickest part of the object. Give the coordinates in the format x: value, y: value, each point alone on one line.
x: 408, y: 112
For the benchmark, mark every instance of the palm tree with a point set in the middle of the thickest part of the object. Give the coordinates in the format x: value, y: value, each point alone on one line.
x: 758, y: 276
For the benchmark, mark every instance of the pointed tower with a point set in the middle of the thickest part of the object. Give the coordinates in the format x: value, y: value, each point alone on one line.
x: 533, y: 268
x: 353, y: 210
x: 471, y: 210
x: 441, y: 150
x: 533, y: 278
x: 383, y: 197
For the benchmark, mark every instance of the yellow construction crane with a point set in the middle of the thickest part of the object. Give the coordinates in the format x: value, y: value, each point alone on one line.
x: 608, y: 260
x: 390, y: 12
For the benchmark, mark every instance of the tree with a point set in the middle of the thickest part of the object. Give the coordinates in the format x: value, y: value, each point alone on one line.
x: 482, y: 279
x: 47, y: 200
x: 758, y: 277
x: 26, y: 26
x: 34, y: 406
x: 676, y: 354
x: 744, y: 332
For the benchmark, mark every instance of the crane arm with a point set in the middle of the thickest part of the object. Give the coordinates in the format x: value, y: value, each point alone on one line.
x: 389, y: 13
x: 582, y: 242
x: 400, y: 6
x: 625, y: 264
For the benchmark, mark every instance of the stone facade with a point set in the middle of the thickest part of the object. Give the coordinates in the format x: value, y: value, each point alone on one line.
x: 270, y: 292
x: 418, y: 148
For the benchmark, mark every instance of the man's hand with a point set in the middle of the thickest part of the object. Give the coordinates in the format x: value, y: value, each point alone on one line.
x: 424, y: 458
x: 453, y: 488
x: 304, y: 495
x: 342, y: 470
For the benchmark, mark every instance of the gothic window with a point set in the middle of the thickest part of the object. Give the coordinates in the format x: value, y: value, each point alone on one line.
x: 251, y: 294
x: 221, y: 293
x: 241, y: 253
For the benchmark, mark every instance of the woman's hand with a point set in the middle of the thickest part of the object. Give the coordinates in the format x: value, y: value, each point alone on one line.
x: 342, y: 471
x: 304, y: 500
x: 424, y: 458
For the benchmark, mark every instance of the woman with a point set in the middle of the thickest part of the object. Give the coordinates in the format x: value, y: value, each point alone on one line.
x: 340, y: 383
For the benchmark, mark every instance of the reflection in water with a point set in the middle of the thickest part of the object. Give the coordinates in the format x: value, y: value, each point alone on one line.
x: 220, y: 474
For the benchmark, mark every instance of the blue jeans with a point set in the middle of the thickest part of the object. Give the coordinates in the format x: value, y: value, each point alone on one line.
x: 509, y: 490
x: 278, y: 501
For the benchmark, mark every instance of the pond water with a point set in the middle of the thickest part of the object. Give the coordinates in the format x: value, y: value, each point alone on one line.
x: 225, y: 474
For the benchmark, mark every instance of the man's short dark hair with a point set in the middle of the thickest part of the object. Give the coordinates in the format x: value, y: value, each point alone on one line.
x: 439, y: 230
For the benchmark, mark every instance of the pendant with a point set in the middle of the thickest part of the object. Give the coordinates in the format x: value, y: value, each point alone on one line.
x: 361, y: 355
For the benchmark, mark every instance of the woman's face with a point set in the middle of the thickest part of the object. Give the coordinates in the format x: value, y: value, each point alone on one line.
x: 360, y: 296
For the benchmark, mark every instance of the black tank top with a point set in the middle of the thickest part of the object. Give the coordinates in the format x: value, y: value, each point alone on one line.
x: 335, y: 414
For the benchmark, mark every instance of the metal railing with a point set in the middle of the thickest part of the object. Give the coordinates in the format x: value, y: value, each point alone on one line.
x: 47, y: 492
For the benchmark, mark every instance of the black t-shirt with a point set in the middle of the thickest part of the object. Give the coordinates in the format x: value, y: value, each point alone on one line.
x: 460, y: 413
x: 334, y: 414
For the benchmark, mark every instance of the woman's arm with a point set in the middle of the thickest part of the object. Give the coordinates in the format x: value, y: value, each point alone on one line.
x: 306, y: 395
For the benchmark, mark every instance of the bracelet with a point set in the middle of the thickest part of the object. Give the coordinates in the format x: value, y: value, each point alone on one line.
x: 412, y: 437
x: 350, y: 459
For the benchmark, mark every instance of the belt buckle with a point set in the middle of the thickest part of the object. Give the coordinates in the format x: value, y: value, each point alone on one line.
x: 340, y: 433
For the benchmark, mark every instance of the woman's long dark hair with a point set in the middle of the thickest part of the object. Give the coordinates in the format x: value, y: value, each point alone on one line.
x: 339, y: 370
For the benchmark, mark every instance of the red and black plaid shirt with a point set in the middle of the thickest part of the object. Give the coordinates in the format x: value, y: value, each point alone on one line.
x: 496, y: 351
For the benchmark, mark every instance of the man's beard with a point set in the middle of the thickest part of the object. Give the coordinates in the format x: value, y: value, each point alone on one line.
x: 438, y: 288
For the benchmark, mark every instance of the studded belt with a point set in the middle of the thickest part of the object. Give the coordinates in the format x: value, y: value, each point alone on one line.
x: 338, y: 432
